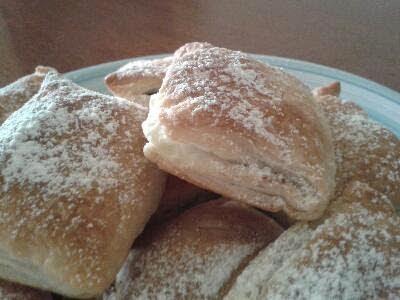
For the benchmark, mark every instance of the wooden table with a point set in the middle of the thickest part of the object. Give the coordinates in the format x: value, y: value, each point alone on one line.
x: 359, y: 36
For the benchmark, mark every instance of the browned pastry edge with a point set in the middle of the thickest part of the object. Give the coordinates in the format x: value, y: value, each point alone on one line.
x: 145, y: 76
x: 332, y: 89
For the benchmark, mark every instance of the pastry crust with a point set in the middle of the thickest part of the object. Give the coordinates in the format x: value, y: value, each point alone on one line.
x: 144, y: 76
x: 14, y: 291
x: 178, y: 196
x: 138, y: 77
x: 365, y: 150
x: 142, y: 100
x: 332, y: 89
x: 249, y: 283
x: 75, y: 188
x: 240, y: 128
x: 14, y: 95
x: 195, y: 255
x: 352, y: 253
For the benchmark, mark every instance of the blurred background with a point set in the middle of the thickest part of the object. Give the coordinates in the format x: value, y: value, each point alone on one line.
x: 359, y: 36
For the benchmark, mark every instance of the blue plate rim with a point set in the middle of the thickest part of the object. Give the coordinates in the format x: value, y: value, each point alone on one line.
x: 87, y: 73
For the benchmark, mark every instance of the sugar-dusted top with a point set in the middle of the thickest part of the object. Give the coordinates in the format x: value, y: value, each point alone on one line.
x: 75, y: 188
x: 225, y: 91
x: 61, y: 139
x: 148, y: 67
x: 240, y: 113
x: 195, y: 254
x: 14, y: 95
x: 353, y: 254
x: 249, y: 283
x: 131, y: 73
x: 365, y: 150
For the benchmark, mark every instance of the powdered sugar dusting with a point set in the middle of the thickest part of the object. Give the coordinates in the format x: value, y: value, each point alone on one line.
x: 225, y: 104
x: 200, y: 276
x: 70, y: 162
x: 154, y: 68
x: 253, y: 120
x: 249, y: 283
x: 14, y: 95
x: 35, y: 151
x: 352, y: 255
x: 229, y: 83
x: 365, y: 150
x: 194, y: 255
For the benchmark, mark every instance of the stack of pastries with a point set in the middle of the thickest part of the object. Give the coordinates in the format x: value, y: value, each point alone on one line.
x: 207, y: 175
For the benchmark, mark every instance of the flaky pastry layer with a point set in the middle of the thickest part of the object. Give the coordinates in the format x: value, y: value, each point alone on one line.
x: 242, y: 129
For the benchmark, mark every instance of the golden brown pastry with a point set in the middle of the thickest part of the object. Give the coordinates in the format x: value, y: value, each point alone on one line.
x: 14, y: 291
x: 138, y: 77
x: 332, y: 89
x: 14, y: 95
x: 75, y: 188
x: 243, y: 129
x: 195, y: 255
x: 365, y: 150
x: 144, y: 76
x: 352, y: 254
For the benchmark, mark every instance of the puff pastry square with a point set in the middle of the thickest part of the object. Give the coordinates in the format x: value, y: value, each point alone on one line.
x: 243, y: 129
x: 75, y: 188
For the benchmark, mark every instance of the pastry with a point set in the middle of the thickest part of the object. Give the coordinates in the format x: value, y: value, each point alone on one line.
x: 352, y: 253
x: 332, y: 89
x: 365, y: 150
x: 138, y: 77
x: 13, y: 291
x: 14, y: 95
x: 261, y: 268
x: 195, y: 255
x: 144, y: 76
x: 243, y: 129
x: 142, y: 100
x: 75, y: 188
x: 179, y: 195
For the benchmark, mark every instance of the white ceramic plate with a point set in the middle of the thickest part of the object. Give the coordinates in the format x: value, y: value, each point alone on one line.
x: 381, y: 103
